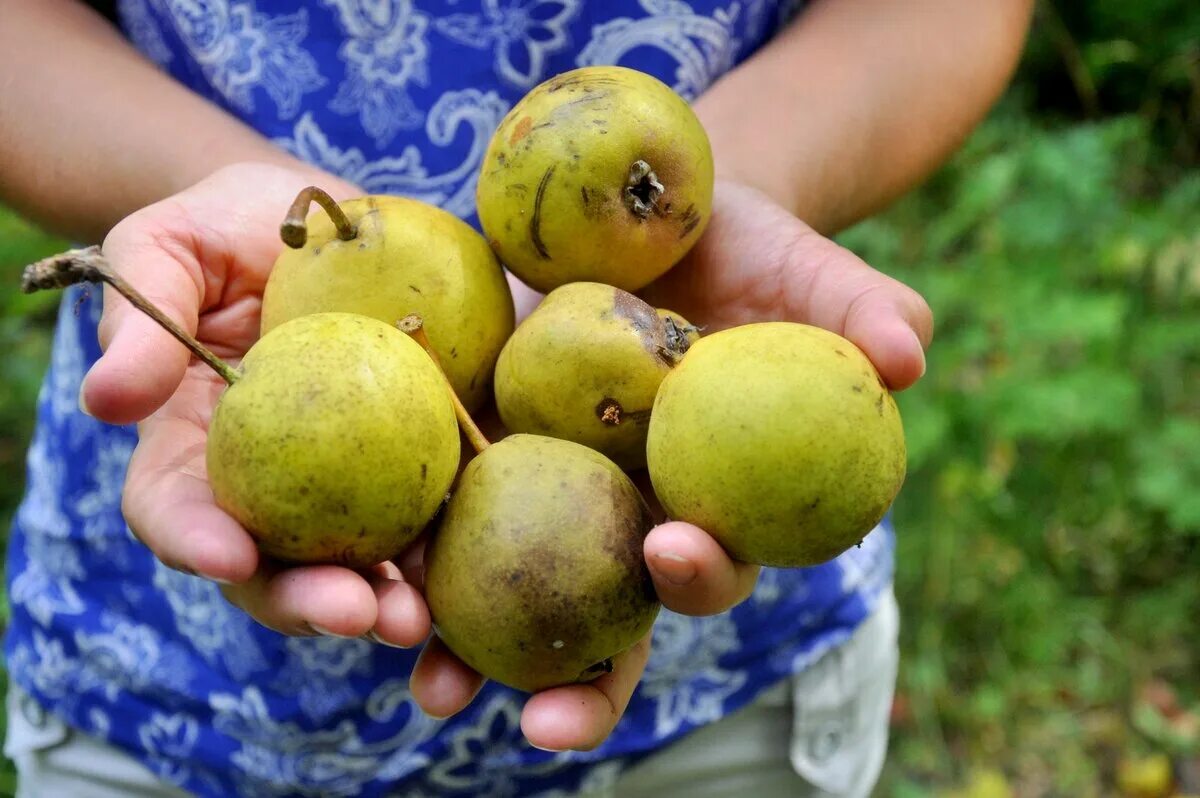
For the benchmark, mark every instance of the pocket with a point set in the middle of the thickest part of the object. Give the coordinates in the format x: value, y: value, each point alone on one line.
x: 841, y: 706
x: 30, y: 727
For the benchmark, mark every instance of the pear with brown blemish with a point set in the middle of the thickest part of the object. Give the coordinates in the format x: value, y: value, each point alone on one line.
x: 600, y: 174
x: 780, y: 440
x: 334, y: 440
x: 585, y: 366
x: 387, y: 257
x: 535, y: 575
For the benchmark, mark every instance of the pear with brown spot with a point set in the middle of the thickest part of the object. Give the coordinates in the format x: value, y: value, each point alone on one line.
x: 585, y: 366
x: 388, y: 257
x: 338, y: 442
x: 780, y: 440
x: 535, y: 575
x: 599, y: 174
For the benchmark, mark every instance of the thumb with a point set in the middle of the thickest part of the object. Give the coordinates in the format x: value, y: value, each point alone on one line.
x: 143, y: 364
x: 831, y: 287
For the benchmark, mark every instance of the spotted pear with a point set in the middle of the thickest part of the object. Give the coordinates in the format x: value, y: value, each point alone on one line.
x: 600, y: 174
x: 387, y: 257
x: 585, y: 366
x: 337, y: 444
x: 780, y: 440
x: 334, y: 440
x: 535, y: 575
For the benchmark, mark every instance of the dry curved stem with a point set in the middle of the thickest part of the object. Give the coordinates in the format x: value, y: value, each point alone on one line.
x: 415, y: 328
x: 294, y: 230
x: 90, y: 266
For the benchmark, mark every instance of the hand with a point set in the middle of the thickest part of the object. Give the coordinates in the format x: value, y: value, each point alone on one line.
x: 203, y: 257
x: 757, y: 262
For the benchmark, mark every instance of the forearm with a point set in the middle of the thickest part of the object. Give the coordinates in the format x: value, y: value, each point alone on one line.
x: 99, y: 131
x: 859, y: 100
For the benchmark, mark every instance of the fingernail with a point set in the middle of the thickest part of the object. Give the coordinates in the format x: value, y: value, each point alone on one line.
x: 373, y: 637
x: 323, y: 631
x: 921, y: 349
x: 547, y: 750
x: 674, y: 568
x: 83, y: 408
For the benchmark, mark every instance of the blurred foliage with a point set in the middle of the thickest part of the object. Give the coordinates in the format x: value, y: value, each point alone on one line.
x: 25, y: 322
x: 1049, y: 531
x: 1093, y: 58
x: 1050, y: 525
x: 25, y: 326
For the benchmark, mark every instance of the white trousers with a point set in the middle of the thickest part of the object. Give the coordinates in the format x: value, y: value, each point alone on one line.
x: 821, y: 734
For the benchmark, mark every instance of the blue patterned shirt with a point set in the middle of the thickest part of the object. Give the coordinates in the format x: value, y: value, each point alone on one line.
x: 398, y: 96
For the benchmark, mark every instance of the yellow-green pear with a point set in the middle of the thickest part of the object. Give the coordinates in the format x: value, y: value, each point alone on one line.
x: 336, y: 444
x: 388, y: 257
x: 599, y: 174
x: 585, y: 366
x: 778, y: 439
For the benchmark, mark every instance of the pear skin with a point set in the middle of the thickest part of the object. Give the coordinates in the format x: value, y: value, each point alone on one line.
x: 780, y: 440
x: 601, y: 174
x: 407, y: 257
x: 535, y: 575
x: 585, y: 366
x: 337, y: 444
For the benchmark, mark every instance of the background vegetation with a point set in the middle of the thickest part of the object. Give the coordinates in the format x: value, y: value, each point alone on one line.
x: 1050, y: 529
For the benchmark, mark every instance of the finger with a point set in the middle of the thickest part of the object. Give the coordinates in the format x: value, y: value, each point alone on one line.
x: 168, y: 505
x: 441, y: 683
x: 831, y: 287
x: 692, y: 573
x: 581, y: 716
x: 411, y: 562
x: 325, y: 599
x: 403, y: 617
x: 142, y: 364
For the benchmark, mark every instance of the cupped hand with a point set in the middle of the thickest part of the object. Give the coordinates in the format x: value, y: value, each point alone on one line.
x: 203, y: 256
x: 757, y: 262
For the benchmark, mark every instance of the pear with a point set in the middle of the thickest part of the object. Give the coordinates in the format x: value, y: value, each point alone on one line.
x: 337, y: 444
x: 780, y: 440
x: 387, y: 257
x: 535, y: 575
x: 585, y: 366
x: 600, y: 174
x: 335, y: 441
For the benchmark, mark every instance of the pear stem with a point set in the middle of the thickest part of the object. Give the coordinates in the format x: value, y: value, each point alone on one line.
x: 90, y: 266
x: 294, y: 230
x: 415, y: 327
